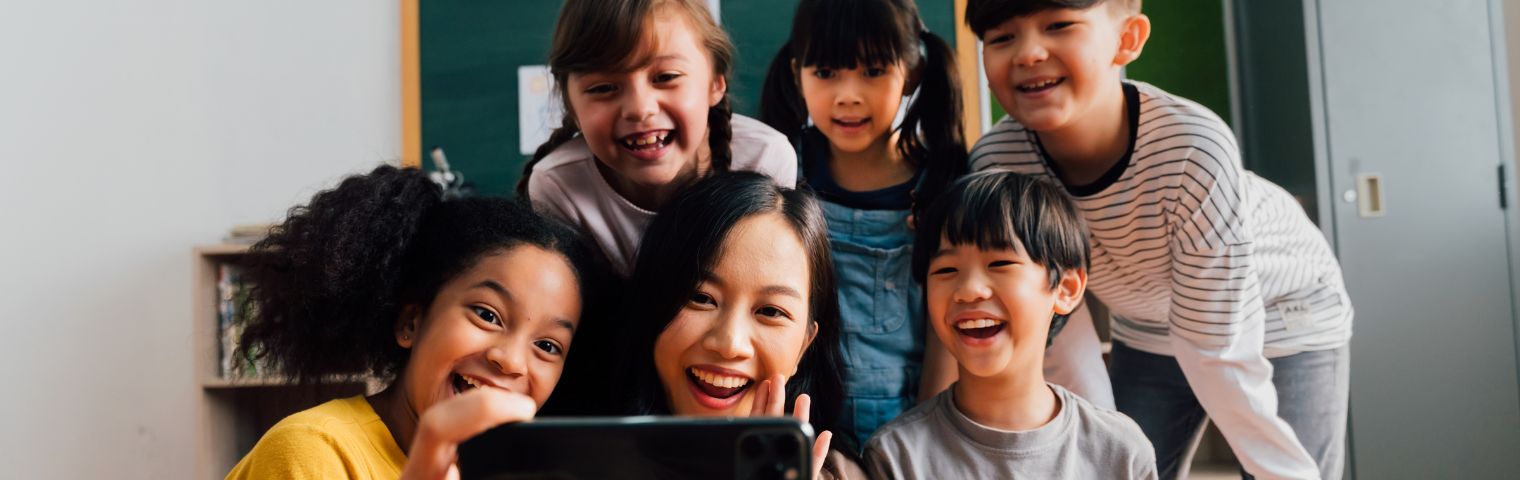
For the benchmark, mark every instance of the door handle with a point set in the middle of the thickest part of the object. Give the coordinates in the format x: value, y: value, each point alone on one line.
x: 1369, y: 195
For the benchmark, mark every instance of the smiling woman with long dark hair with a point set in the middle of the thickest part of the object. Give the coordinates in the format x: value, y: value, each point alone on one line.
x: 734, y: 290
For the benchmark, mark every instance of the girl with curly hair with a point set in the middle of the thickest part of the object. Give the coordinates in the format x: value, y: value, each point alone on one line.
x: 465, y: 307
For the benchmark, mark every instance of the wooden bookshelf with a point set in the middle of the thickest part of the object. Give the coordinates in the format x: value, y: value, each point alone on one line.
x: 234, y: 412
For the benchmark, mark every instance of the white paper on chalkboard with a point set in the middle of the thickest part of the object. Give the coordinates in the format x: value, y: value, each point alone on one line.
x: 537, y: 111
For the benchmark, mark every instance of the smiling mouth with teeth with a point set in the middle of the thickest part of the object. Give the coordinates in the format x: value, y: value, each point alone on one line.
x: 650, y: 140
x: 852, y: 123
x: 717, y: 385
x: 980, y: 328
x: 464, y: 384
x: 1041, y: 85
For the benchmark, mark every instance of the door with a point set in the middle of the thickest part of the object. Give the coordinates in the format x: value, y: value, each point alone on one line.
x: 1412, y: 116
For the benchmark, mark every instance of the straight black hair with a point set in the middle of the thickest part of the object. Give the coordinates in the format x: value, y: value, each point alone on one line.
x: 838, y: 34
x: 983, y: 15
x: 1004, y: 210
x: 682, y: 244
x: 331, y: 281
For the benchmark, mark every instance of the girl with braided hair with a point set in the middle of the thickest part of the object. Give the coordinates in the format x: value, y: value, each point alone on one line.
x: 644, y: 85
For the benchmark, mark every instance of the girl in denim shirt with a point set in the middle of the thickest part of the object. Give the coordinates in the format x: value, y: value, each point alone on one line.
x: 836, y: 89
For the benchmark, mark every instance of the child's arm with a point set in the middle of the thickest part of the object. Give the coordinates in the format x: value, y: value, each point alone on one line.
x: 939, y: 367
x: 1218, y: 320
x: 443, y: 427
x: 1075, y: 360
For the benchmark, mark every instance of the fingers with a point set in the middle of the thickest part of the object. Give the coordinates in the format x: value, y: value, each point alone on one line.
x: 821, y: 450
x: 803, y: 408
x: 770, y: 398
x: 777, y: 396
x: 465, y: 416
x: 444, y: 426
x: 762, y: 399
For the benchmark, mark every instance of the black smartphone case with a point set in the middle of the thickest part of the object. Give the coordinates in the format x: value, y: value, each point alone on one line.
x: 640, y: 448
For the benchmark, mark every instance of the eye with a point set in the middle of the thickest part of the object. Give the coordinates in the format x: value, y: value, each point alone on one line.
x: 486, y: 314
x: 666, y: 77
x: 1059, y: 26
x: 769, y: 311
x: 600, y: 88
x: 702, y: 299
x: 823, y: 73
x: 875, y: 72
x: 1000, y: 263
x: 943, y: 271
x: 999, y: 39
x: 549, y: 347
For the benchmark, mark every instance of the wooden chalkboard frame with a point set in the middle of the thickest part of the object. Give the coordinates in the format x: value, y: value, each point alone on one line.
x: 411, y: 86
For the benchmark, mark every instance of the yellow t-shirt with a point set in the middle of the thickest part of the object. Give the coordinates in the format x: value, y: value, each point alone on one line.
x: 342, y: 438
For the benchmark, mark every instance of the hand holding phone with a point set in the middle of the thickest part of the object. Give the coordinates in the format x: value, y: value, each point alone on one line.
x: 770, y: 401
x: 443, y: 427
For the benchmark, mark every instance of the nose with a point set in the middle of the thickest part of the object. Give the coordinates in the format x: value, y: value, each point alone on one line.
x: 729, y: 337
x: 1029, y: 51
x: 639, y: 103
x: 510, y: 357
x: 971, y: 288
x: 848, y: 92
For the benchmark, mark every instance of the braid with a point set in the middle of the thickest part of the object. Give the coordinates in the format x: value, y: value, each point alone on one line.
x: 719, y: 133
x: 564, y: 133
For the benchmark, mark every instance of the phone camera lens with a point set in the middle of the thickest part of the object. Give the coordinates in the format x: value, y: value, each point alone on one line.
x: 786, y: 445
x: 752, y: 447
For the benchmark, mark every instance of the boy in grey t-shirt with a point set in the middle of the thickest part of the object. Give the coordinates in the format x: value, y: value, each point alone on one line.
x: 1003, y: 260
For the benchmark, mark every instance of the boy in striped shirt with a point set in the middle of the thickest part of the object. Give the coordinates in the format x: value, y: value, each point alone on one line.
x: 1227, y: 302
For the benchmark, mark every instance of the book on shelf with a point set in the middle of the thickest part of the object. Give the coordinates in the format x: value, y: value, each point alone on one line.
x: 233, y: 312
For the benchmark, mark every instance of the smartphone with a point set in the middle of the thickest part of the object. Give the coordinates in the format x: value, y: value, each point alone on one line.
x: 646, y: 447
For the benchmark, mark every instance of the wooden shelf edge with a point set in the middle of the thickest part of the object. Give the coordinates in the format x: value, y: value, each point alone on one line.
x: 221, y: 249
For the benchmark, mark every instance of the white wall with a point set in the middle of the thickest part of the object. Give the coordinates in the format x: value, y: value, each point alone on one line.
x: 129, y: 132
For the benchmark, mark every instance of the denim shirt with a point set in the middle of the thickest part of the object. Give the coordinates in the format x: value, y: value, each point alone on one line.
x: 882, y: 311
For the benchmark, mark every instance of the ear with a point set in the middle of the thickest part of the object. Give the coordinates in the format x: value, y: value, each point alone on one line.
x: 1132, y: 37
x: 407, y: 326
x: 1069, y: 291
x: 812, y: 332
x: 719, y: 89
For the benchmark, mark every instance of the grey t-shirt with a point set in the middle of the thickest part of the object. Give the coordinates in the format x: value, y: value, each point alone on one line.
x: 936, y: 440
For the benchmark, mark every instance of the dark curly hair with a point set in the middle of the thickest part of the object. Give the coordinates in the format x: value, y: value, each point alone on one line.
x: 330, y: 283
x: 682, y: 244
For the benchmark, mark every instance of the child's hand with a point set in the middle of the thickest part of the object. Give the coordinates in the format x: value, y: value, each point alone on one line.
x: 770, y: 401
x: 443, y: 427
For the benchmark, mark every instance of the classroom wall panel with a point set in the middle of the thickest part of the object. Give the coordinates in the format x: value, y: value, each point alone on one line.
x: 135, y: 130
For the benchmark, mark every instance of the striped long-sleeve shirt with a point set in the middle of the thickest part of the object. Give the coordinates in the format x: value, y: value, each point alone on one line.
x: 1199, y: 259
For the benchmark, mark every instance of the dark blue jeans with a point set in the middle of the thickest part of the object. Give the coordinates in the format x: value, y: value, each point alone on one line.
x: 1312, y: 393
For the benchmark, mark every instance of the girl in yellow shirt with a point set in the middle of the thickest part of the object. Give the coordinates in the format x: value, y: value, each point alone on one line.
x: 467, y: 307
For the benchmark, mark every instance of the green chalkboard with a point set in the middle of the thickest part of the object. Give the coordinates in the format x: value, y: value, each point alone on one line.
x: 469, y: 53
x: 1185, y: 55
x: 470, y: 50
